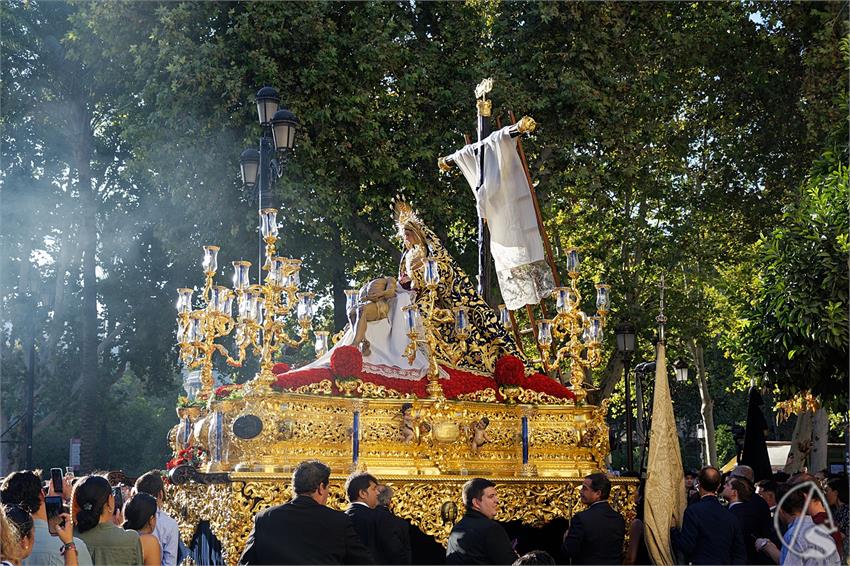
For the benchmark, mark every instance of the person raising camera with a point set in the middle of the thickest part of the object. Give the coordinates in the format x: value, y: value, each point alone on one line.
x: 24, y: 489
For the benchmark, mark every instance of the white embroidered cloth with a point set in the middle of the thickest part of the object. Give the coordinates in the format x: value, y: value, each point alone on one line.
x: 505, y: 202
x: 387, y: 340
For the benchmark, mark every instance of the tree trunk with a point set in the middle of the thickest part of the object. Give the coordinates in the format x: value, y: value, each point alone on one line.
x: 707, y: 403
x: 58, y: 300
x: 89, y: 417
x: 612, y: 375
x: 820, y: 434
x: 339, y: 283
x: 801, y: 444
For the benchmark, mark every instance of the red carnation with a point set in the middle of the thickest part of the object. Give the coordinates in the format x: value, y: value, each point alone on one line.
x: 279, y: 368
x: 509, y: 371
x: 346, y: 361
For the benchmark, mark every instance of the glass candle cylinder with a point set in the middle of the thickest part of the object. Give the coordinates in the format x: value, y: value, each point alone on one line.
x: 573, y: 262
x: 411, y: 317
x: 603, y: 299
x: 544, y: 332
x: 240, y: 275
x: 196, y: 329
x: 594, y: 329
x: 210, y: 261
x: 563, y: 299
x: 184, y: 300
x: 321, y: 343
x: 305, y: 307
x: 268, y: 222
x: 350, y: 299
x: 225, y: 302
x: 293, y: 280
x: 432, y: 272
x: 504, y: 316
x: 242, y: 308
x: 216, y: 294
x: 259, y: 308
x: 182, y: 332
x: 461, y: 322
x: 279, y: 271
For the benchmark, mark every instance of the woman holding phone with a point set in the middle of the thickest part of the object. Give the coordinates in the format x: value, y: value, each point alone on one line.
x: 140, y: 516
x: 93, y: 505
x: 54, y: 544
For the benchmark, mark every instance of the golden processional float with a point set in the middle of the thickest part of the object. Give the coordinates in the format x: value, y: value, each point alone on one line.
x: 427, y: 386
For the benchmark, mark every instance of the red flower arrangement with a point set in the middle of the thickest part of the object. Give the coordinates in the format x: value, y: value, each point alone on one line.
x: 227, y: 391
x: 190, y: 456
x: 543, y: 384
x: 509, y: 371
x: 461, y: 382
x: 346, y: 361
x: 280, y: 367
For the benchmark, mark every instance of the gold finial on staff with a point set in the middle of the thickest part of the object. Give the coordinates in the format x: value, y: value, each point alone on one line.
x: 661, y: 319
x: 485, y: 106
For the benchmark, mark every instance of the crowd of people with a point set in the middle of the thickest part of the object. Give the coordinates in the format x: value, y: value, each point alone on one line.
x: 94, y: 522
x: 730, y: 519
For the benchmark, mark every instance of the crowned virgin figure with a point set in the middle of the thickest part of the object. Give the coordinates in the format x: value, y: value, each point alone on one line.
x: 377, y: 317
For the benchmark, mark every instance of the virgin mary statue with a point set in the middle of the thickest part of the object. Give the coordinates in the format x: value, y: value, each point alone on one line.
x: 483, y: 341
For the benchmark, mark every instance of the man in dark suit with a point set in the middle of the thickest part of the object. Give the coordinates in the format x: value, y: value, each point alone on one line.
x: 753, y: 513
x: 362, y: 491
x: 477, y: 538
x: 393, y: 528
x: 710, y: 533
x: 754, y: 519
x: 596, y: 534
x: 305, y: 530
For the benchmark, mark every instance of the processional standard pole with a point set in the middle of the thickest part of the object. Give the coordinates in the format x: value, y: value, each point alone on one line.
x: 484, y: 108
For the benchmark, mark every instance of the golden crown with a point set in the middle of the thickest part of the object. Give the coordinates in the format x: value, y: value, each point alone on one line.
x: 404, y: 213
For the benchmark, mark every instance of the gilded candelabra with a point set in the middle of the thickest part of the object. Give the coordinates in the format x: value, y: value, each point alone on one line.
x: 576, y: 332
x: 262, y: 312
x: 422, y: 325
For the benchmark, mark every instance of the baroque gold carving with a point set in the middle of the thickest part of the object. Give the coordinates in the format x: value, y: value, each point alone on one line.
x: 484, y: 395
x: 431, y: 504
x: 513, y: 394
x: 324, y: 387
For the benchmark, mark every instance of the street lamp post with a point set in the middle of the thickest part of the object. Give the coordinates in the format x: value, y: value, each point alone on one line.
x: 626, y: 346
x: 681, y: 368
x: 701, y: 438
x: 261, y: 167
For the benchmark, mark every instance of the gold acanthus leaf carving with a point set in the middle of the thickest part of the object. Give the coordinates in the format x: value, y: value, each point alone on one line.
x: 487, y: 395
x: 324, y: 387
x: 375, y: 391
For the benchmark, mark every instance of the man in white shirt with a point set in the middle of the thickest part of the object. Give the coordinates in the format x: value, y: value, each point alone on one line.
x: 166, y: 529
x: 804, y: 542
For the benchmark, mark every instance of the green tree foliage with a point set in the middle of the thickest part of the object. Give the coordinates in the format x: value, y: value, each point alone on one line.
x: 671, y: 135
x: 795, y: 334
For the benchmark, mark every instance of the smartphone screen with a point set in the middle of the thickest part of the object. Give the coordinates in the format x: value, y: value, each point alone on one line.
x: 119, y: 499
x: 53, y: 506
x: 56, y: 477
